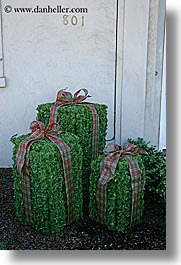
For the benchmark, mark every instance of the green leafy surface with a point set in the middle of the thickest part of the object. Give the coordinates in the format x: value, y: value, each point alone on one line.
x: 155, y: 167
x: 47, y: 183
x: 78, y: 119
x: 118, y: 211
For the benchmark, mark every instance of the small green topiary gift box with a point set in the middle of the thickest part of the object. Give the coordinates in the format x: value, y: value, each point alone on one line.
x: 117, y: 187
x: 47, y: 178
x: 86, y: 120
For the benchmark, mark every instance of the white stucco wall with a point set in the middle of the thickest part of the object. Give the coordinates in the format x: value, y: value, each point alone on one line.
x: 162, y: 142
x: 41, y: 55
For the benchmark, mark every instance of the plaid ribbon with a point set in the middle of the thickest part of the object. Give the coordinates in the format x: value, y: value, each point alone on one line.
x: 65, y: 98
x: 107, y: 172
x: 39, y: 132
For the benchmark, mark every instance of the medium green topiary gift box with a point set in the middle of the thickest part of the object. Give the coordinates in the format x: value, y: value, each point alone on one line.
x: 47, y: 178
x: 86, y: 120
x: 117, y: 187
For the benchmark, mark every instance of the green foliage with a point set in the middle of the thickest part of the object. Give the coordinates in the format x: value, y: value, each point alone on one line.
x: 118, y: 211
x: 47, y: 183
x: 2, y: 246
x: 77, y: 119
x: 155, y: 168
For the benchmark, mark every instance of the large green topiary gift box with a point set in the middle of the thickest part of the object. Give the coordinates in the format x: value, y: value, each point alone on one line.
x: 47, y: 182
x: 117, y: 187
x: 86, y: 120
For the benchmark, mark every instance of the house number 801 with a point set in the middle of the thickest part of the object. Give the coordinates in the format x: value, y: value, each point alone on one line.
x: 73, y: 20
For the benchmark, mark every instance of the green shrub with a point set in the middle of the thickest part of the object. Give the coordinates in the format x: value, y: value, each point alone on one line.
x: 119, y: 194
x: 47, y: 183
x: 2, y: 246
x: 77, y: 119
x: 155, y: 168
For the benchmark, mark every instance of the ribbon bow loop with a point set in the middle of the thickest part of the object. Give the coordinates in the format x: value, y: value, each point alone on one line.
x: 37, y: 126
x: 39, y: 131
x: 133, y: 149
x: 64, y: 97
x: 79, y: 98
